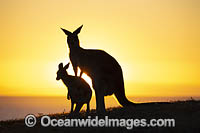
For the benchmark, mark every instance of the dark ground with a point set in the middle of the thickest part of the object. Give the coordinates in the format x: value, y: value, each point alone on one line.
x: 185, y: 113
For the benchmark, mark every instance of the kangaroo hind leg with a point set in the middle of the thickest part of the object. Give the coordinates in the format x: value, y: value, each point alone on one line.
x: 72, y: 107
x: 88, y: 108
x: 78, y: 107
x: 99, y: 93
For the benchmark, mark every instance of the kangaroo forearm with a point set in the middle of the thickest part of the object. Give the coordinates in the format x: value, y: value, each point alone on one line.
x: 68, y: 97
x: 75, y: 70
x: 81, y: 73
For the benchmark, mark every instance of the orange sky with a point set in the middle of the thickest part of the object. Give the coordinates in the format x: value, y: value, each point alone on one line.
x: 156, y: 42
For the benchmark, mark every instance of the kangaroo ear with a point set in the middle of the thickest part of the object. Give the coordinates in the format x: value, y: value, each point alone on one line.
x: 66, y: 32
x: 66, y: 66
x: 78, y: 30
x: 60, y: 66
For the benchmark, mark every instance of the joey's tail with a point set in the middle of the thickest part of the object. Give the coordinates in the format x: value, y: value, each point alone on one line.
x: 120, y: 92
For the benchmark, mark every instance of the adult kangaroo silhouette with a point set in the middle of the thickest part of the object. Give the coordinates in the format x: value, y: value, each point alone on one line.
x: 104, y: 70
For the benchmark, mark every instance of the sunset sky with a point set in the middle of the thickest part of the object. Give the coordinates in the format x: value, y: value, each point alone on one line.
x: 156, y: 42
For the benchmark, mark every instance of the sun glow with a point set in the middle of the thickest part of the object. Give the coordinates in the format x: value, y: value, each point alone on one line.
x: 87, y: 79
x: 84, y: 75
x: 155, y: 42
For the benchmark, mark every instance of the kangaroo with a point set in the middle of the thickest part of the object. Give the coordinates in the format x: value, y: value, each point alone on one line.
x: 104, y: 70
x: 78, y: 89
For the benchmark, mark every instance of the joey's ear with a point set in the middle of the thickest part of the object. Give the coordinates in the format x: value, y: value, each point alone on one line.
x: 78, y: 30
x: 60, y: 66
x: 66, y: 32
x: 66, y: 66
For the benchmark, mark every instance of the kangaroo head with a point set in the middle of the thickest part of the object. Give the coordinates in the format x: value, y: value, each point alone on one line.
x: 62, y: 71
x: 72, y: 38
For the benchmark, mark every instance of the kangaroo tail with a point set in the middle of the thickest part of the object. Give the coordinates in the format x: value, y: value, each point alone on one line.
x: 120, y: 93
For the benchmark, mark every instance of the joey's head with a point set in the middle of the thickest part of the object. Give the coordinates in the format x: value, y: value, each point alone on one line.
x: 61, y: 73
x: 72, y: 37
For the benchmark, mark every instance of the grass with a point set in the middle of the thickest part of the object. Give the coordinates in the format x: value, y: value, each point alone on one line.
x: 185, y: 113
